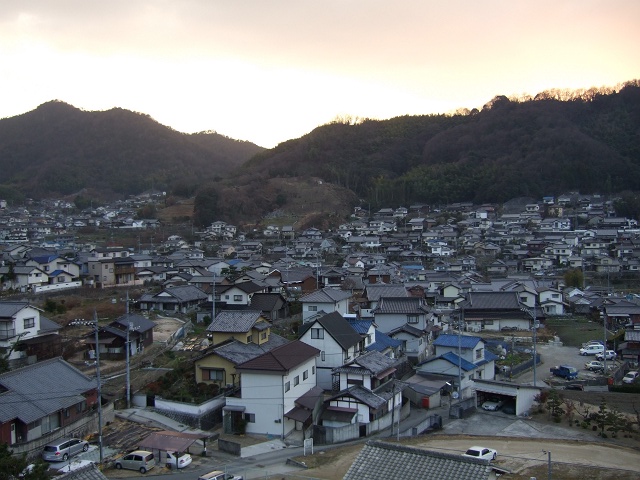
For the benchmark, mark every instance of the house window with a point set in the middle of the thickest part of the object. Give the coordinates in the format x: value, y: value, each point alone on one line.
x: 305, y: 374
x: 226, y: 297
x: 313, y: 370
x: 479, y: 354
x: 81, y: 407
x: 250, y: 417
x: 322, y: 355
x: 412, y: 318
x: 29, y: 322
x: 67, y: 413
x: 249, y: 338
x: 237, y: 298
x: 312, y: 308
x: 296, y: 380
x: 263, y: 336
x: 211, y: 374
x: 317, y: 333
x: 287, y: 386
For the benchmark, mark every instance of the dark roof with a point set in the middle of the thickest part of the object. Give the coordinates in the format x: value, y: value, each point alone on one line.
x: 90, y: 472
x: 381, y: 461
x: 181, y: 293
x: 41, y: 389
x: 237, y: 352
x: 337, y: 327
x: 372, y: 363
x: 136, y: 322
x: 9, y: 309
x: 401, y: 305
x: 326, y: 295
x: 377, y: 291
x: 266, y: 302
x: 282, y: 358
x: 492, y: 301
x: 240, y: 321
x: 384, y: 341
x: 363, y: 395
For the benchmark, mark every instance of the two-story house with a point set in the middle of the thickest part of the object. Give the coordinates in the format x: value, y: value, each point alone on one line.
x: 25, y: 333
x: 271, y: 385
x: 461, y: 358
x: 326, y: 300
x: 237, y: 336
x: 338, y: 342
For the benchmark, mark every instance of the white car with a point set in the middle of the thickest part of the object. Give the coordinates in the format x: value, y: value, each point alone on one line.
x: 592, y: 349
x: 178, y: 460
x: 492, y: 405
x: 607, y: 355
x: 481, y: 452
x: 630, y: 377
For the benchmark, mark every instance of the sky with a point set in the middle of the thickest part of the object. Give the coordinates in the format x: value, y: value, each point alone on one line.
x: 268, y: 71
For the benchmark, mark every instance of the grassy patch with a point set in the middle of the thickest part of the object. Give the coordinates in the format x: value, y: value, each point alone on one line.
x: 575, y: 331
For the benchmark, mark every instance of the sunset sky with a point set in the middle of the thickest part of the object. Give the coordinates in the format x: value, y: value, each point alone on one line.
x: 268, y: 71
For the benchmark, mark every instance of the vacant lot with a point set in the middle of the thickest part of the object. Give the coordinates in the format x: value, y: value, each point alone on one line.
x: 574, y: 331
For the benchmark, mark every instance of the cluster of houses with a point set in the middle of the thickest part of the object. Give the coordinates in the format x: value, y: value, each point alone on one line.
x: 400, y: 322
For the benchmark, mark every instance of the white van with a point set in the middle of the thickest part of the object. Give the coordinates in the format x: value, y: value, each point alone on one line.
x: 592, y: 349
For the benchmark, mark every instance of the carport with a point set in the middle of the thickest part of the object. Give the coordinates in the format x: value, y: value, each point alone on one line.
x: 168, y: 441
x: 522, y: 395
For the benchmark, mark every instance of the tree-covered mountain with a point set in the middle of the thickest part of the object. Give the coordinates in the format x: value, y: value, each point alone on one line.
x: 541, y: 146
x: 58, y: 149
x: 547, y: 145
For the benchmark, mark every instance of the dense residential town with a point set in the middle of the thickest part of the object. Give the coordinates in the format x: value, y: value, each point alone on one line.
x: 397, y: 309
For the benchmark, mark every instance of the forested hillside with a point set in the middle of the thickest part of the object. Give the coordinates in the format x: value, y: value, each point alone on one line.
x: 58, y: 149
x: 543, y: 146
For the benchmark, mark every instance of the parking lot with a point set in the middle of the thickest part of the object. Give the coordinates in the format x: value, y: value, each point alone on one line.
x: 552, y: 355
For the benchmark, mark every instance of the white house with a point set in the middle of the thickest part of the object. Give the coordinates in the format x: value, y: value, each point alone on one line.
x: 326, y: 300
x: 270, y: 385
x: 337, y: 341
x: 20, y: 321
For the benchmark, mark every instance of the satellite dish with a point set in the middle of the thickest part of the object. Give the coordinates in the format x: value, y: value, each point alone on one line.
x: 455, y: 395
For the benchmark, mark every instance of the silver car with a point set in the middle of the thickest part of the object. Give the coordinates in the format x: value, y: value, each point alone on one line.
x: 64, y: 448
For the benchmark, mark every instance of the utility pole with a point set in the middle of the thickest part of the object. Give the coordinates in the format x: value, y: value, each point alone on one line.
x: 460, y: 323
x: 95, y: 327
x: 213, y: 298
x: 128, y: 353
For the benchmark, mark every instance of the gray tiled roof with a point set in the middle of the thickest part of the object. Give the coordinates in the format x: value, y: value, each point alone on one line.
x: 492, y: 300
x: 363, y: 395
x: 326, y: 295
x: 41, y: 389
x: 90, y: 472
x: 401, y: 305
x: 381, y: 461
x: 9, y: 309
x: 375, y: 292
x: 372, y: 363
x: 237, y: 352
x: 234, y: 321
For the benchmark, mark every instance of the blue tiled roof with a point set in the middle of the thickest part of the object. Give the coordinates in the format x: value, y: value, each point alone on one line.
x: 361, y: 326
x: 488, y: 357
x: 455, y: 360
x: 384, y: 341
x: 448, y: 340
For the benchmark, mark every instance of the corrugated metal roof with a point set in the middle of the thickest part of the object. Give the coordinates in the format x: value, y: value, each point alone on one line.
x: 447, y: 340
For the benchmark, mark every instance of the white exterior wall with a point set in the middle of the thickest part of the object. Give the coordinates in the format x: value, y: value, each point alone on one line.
x: 388, y: 322
x: 228, y: 297
x: 366, y: 381
x: 333, y: 356
x: 20, y: 331
x: 263, y: 395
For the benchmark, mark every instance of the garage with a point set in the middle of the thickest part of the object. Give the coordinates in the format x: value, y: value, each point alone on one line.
x: 506, y: 396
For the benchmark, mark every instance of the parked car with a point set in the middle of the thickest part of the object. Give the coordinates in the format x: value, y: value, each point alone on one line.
x: 492, y: 405
x: 63, y: 449
x: 141, y: 460
x: 481, y: 452
x: 630, y: 377
x: 594, y: 366
x: 593, y: 342
x: 565, y: 371
x: 607, y: 355
x: 592, y: 349
x: 219, y: 475
x: 178, y: 460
